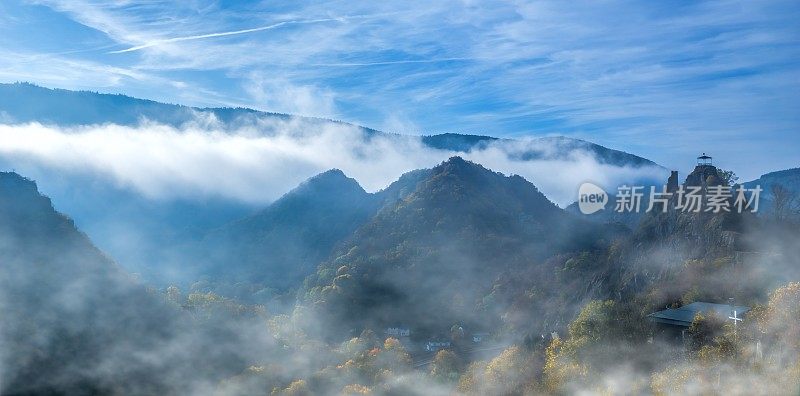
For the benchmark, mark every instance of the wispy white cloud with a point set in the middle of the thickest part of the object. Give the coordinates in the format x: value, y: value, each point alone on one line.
x: 282, y: 96
x: 257, y: 164
x: 219, y: 34
x: 38, y: 67
x: 118, y: 20
x: 623, y: 73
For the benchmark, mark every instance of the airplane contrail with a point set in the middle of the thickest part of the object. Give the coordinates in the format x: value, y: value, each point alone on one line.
x: 394, y: 62
x: 220, y: 34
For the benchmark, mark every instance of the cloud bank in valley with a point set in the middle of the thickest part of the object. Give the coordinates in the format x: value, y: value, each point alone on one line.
x: 258, y: 163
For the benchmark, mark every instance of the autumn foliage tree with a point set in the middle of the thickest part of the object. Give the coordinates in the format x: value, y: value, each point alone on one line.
x: 446, y: 366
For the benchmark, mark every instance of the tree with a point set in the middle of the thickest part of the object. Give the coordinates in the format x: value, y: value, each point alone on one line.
x: 783, y: 315
x: 784, y: 202
x: 470, y: 381
x: 728, y: 176
x: 600, y: 331
x: 297, y: 388
x: 394, y: 356
x: 594, y: 322
x: 560, y: 366
x: 702, y: 331
x: 509, y: 372
x: 356, y: 389
x: 446, y: 366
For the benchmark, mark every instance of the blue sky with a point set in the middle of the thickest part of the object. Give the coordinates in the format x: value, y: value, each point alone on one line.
x: 662, y: 79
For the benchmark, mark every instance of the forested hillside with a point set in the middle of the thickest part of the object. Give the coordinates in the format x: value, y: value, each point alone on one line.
x: 75, y: 323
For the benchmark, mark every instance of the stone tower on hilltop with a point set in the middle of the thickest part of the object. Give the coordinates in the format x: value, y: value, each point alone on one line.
x: 704, y: 174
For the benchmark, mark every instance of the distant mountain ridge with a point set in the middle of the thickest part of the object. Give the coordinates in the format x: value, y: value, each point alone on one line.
x: 25, y: 102
x: 466, y: 143
x: 786, y: 183
x: 147, y: 236
x: 788, y: 178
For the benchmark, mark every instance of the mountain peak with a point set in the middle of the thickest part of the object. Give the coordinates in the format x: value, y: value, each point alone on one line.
x: 332, y: 181
x: 457, y: 163
x: 283, y: 242
x: 457, y: 160
x: 15, y: 180
x: 457, y: 182
x: 20, y: 194
x: 331, y: 173
x: 467, y: 173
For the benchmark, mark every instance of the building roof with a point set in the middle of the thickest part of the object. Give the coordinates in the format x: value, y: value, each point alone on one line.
x: 684, y: 315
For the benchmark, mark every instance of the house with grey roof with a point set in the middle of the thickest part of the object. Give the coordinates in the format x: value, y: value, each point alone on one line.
x: 683, y: 316
x: 673, y: 322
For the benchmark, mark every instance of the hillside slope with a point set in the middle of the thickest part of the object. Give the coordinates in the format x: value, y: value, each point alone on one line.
x: 281, y: 244
x: 429, y: 257
x: 74, y: 323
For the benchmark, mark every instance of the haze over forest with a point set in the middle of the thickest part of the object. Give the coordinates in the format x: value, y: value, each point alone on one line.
x: 384, y: 198
x: 450, y: 277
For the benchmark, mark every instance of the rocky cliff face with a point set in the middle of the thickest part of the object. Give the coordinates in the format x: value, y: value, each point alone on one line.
x: 704, y: 176
x: 663, y: 243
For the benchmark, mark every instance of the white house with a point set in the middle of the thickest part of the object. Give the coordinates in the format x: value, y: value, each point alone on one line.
x: 479, y: 337
x: 433, y: 346
x: 398, y: 332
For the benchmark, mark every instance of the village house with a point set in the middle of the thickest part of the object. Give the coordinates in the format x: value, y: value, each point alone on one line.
x: 478, y: 338
x: 674, y: 322
x: 398, y: 332
x: 434, y: 346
